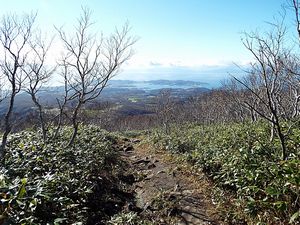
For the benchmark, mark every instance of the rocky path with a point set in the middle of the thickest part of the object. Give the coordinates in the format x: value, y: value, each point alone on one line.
x: 166, y: 191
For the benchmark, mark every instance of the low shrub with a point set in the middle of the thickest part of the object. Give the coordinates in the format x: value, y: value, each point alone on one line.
x: 50, y: 184
x: 241, y: 159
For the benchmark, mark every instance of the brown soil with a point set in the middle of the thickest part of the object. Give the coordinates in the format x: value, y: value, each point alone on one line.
x: 167, y: 192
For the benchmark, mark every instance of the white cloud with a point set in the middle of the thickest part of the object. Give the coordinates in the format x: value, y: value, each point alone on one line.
x: 145, y: 63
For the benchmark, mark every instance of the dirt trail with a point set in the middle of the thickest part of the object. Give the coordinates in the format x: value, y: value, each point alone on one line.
x: 165, y: 190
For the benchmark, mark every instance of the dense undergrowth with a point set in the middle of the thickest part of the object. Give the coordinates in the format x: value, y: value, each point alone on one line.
x: 50, y: 184
x: 246, y: 168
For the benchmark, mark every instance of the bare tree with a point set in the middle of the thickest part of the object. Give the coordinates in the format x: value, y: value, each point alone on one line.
x: 296, y: 6
x: 92, y: 62
x: 164, y: 109
x: 15, y: 34
x: 38, y: 74
x: 62, y: 102
x: 239, y: 98
x: 3, y: 91
x: 266, y: 79
x: 292, y: 98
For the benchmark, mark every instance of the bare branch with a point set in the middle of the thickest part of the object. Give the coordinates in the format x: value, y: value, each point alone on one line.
x: 91, y: 62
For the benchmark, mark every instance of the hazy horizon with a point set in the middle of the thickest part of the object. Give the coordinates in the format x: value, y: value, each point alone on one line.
x: 212, y: 75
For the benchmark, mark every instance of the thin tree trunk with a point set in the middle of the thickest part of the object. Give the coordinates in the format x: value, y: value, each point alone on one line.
x: 7, y: 126
x: 283, y: 146
x: 60, y: 116
x: 41, y: 117
x: 42, y: 122
x: 282, y: 139
x: 74, y: 134
x: 75, y: 124
x: 272, y: 130
x: 58, y: 124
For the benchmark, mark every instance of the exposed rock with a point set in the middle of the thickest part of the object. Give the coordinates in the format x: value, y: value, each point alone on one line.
x: 142, y: 161
x: 135, y: 141
x: 126, y: 139
x: 163, y: 190
x: 128, y: 148
x: 149, y: 177
x: 151, y: 166
x: 128, y: 179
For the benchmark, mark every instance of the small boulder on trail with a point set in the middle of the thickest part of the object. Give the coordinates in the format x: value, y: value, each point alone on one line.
x: 135, y: 141
x: 128, y: 148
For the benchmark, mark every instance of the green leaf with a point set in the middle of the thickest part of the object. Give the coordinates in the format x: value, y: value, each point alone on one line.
x: 281, y: 205
x: 24, y: 181
x: 294, y: 217
x: 89, y: 191
x: 272, y: 191
x: 22, y: 189
x: 59, y: 220
x: 22, y: 205
x: 251, y: 199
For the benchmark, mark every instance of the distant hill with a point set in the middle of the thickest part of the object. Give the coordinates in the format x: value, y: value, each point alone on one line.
x: 117, y: 91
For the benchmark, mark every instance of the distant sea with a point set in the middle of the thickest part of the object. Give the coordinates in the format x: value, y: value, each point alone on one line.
x: 157, y: 84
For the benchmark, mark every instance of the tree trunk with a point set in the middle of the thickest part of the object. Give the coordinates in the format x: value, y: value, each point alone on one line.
x: 282, y: 142
x: 7, y: 126
x: 74, y: 134
x: 58, y: 124
x: 41, y: 117
x: 43, y: 126
x: 272, y: 130
x: 75, y: 124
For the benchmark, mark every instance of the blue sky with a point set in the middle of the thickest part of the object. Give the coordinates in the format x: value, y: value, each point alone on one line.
x: 178, y: 39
